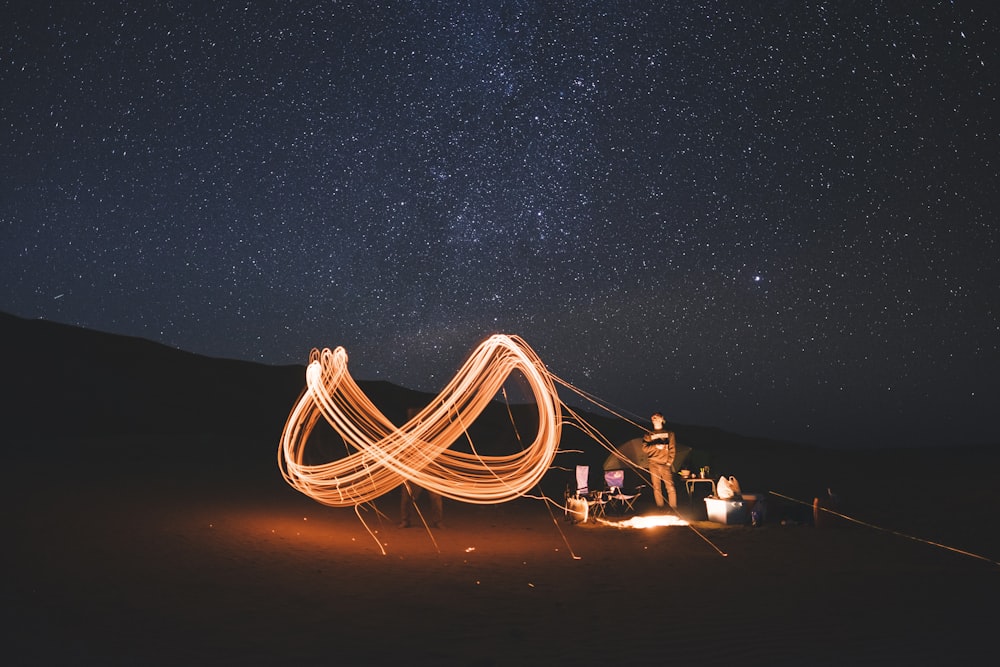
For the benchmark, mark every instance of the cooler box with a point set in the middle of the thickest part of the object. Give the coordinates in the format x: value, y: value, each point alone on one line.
x: 726, y: 511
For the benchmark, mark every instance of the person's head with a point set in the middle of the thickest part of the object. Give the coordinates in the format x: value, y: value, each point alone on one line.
x: 658, y: 420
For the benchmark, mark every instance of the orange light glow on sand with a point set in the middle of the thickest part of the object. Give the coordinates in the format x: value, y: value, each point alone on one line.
x: 383, y: 455
x: 651, y: 521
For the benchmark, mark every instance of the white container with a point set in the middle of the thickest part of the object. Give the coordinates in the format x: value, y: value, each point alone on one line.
x: 726, y: 511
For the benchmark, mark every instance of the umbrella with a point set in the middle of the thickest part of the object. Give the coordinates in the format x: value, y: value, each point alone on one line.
x: 629, y: 454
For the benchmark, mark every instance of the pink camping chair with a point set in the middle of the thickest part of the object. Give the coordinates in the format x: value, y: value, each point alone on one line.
x: 585, y: 504
x: 619, y: 500
x: 583, y: 481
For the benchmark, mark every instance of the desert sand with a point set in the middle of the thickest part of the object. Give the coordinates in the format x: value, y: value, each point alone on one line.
x: 125, y: 552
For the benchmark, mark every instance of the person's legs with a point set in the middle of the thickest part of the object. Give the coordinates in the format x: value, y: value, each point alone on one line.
x: 404, y: 505
x: 654, y: 472
x: 437, y: 508
x: 407, y: 502
x: 668, y: 481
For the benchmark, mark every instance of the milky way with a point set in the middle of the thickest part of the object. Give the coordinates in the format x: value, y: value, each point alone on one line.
x: 775, y: 218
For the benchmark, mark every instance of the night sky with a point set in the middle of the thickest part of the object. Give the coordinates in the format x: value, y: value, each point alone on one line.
x: 778, y: 218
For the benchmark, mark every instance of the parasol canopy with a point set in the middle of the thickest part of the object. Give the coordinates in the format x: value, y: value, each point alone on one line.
x: 629, y: 454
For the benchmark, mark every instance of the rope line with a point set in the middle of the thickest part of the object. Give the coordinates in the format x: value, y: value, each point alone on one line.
x: 357, y: 512
x: 888, y: 530
x: 708, y: 541
x: 604, y: 405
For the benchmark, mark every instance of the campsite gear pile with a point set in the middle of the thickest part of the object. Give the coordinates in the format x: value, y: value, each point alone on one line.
x: 731, y: 506
x: 726, y: 506
x: 728, y: 488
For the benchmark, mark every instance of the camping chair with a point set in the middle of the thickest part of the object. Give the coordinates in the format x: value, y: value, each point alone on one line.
x: 594, y: 502
x: 618, y: 499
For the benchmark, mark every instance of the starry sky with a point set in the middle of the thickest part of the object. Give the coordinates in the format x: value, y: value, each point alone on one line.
x: 777, y: 218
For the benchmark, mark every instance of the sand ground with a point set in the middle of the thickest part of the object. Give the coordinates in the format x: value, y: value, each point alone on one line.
x: 114, y: 563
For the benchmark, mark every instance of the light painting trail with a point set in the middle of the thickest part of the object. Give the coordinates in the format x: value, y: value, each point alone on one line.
x: 384, y: 455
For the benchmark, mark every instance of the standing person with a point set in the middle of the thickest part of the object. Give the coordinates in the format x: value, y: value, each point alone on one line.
x: 660, y: 446
x: 410, y: 493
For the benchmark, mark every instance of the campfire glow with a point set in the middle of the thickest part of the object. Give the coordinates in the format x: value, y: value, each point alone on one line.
x: 653, y: 521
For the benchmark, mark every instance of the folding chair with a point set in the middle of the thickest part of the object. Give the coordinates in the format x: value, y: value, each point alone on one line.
x: 582, y: 481
x: 584, y: 502
x: 618, y: 499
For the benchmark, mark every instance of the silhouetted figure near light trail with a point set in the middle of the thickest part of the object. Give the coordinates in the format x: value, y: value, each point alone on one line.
x: 410, y: 493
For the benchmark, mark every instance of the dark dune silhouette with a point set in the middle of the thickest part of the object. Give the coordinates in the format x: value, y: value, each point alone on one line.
x: 69, y: 381
x: 148, y: 524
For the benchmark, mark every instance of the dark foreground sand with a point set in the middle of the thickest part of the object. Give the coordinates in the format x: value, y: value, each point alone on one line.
x: 147, y: 562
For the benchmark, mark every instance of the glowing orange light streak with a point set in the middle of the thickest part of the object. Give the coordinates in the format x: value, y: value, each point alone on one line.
x: 384, y: 455
x: 653, y: 521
